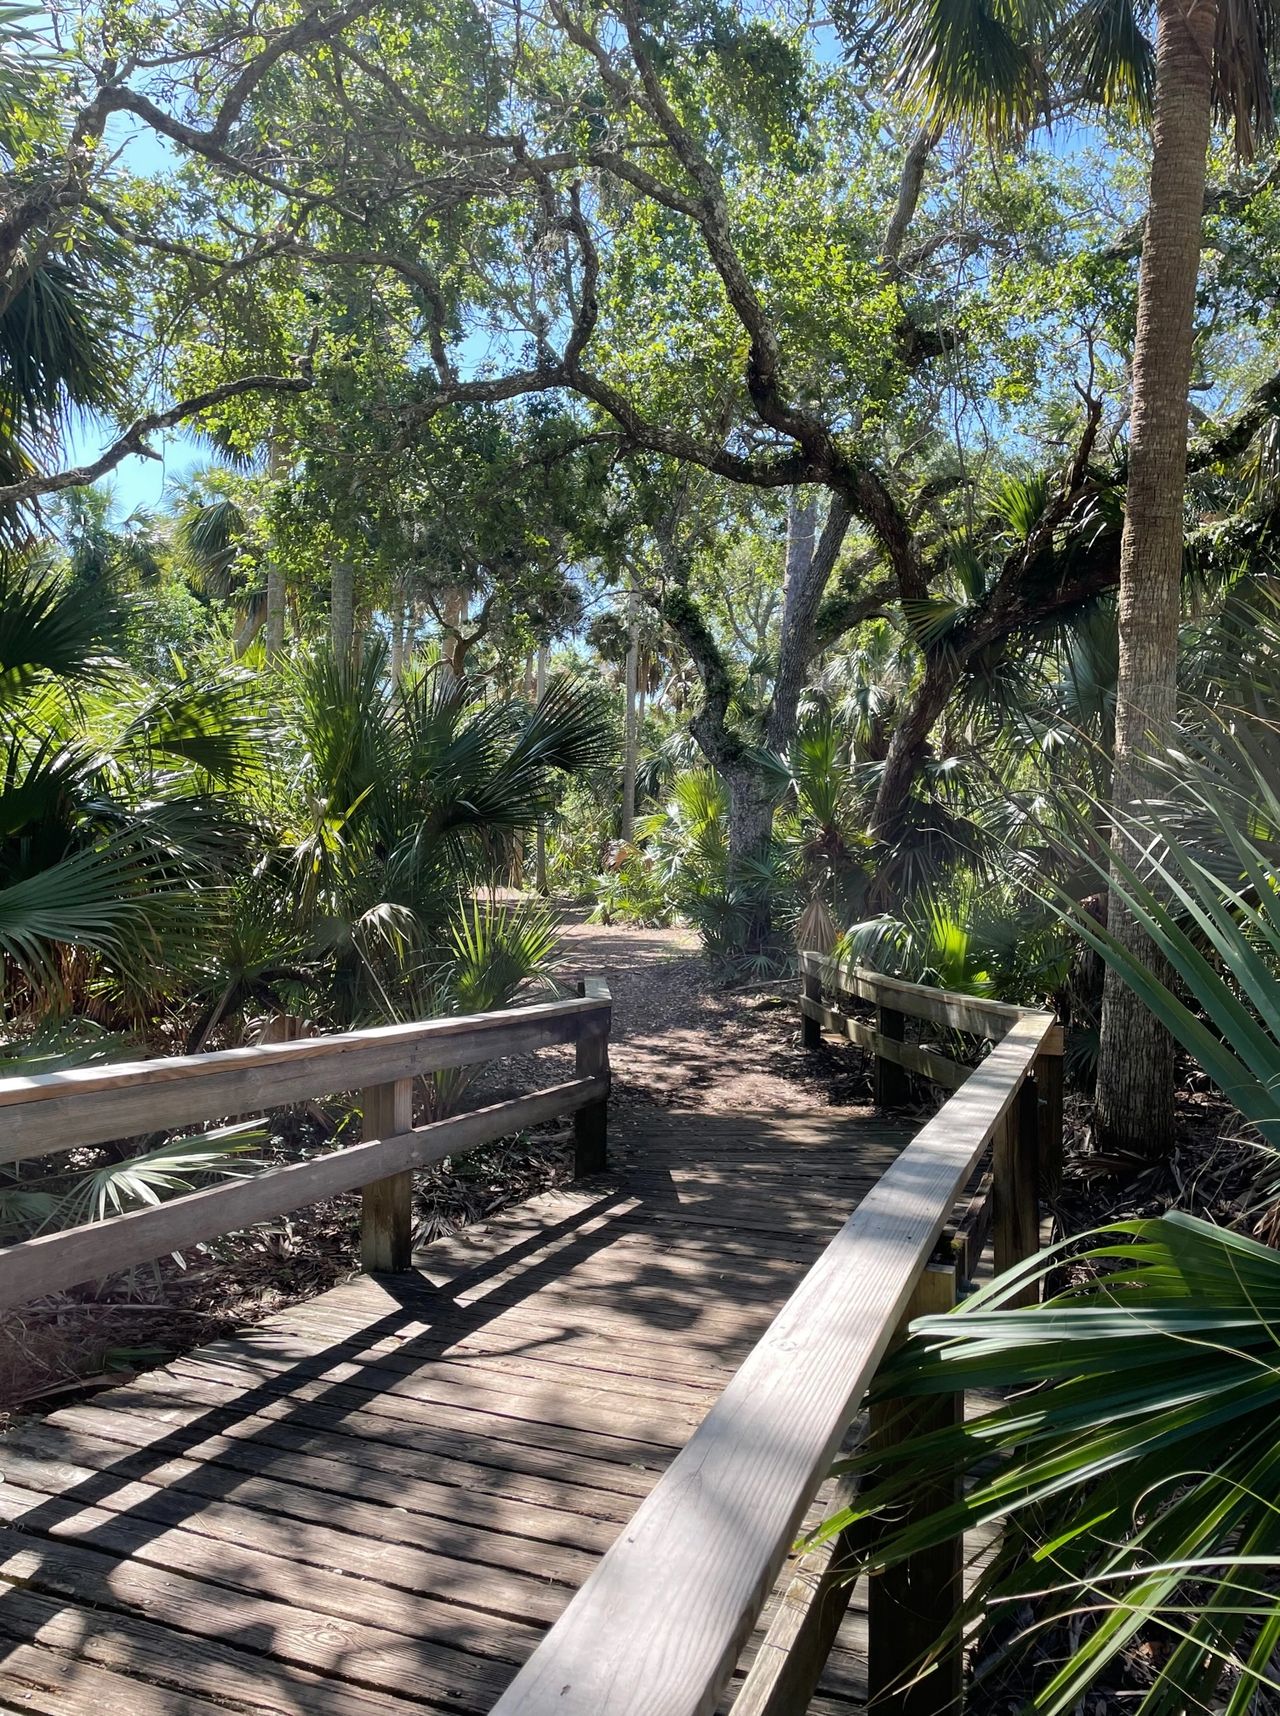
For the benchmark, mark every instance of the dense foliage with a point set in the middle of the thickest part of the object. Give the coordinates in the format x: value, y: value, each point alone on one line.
x: 705, y: 462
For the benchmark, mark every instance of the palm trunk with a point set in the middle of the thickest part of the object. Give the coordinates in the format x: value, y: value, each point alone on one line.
x: 751, y: 800
x: 540, y: 854
x: 1135, y: 1062
x: 276, y: 592
x: 275, y: 608
x: 631, y: 727
x: 342, y: 609
x: 397, y: 634
x: 250, y: 629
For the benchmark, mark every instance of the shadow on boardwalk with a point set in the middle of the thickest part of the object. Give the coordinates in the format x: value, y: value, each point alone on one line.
x: 378, y: 1500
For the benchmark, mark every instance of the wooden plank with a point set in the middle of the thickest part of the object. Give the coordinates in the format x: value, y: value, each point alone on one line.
x: 386, y: 1206
x: 541, y: 1539
x: 590, y: 1123
x: 366, y: 1573
x: 891, y: 1089
x: 973, y: 1229
x: 274, y: 1433
x: 583, y: 1454
x: 1048, y: 1077
x: 928, y: 1062
x: 56, y: 1685
x: 810, y: 999
x: 971, y: 1013
x: 236, y: 1677
x: 579, y: 1421
x: 908, y: 1605
x: 91, y: 1105
x: 52, y: 1261
x: 670, y: 1606
x: 350, y: 1650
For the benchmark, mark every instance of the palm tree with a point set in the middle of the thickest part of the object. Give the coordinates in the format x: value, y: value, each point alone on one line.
x: 398, y: 797
x: 111, y: 802
x: 1009, y: 66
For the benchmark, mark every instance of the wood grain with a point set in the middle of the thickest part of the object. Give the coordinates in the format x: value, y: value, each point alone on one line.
x: 57, y: 1260
x: 92, y: 1105
x: 657, y: 1628
x: 971, y: 1013
x: 912, y: 1056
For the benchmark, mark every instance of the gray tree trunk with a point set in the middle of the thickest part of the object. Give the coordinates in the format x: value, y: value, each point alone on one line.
x: 276, y: 592
x: 275, y: 608
x: 540, y: 849
x: 342, y: 609
x: 1135, y: 1060
x: 631, y: 726
x: 398, y: 628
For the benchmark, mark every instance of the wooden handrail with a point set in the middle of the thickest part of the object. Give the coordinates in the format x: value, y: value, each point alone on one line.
x: 92, y: 1105
x: 60, y: 1111
x: 658, y: 1626
x: 974, y: 1014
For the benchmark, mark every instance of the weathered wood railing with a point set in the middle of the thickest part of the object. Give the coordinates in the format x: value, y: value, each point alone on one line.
x: 658, y: 1627
x: 66, y: 1110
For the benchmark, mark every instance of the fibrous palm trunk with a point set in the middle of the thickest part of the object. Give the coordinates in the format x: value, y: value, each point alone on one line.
x: 342, y: 604
x: 631, y: 726
x: 540, y: 849
x: 1135, y: 1064
x: 275, y: 607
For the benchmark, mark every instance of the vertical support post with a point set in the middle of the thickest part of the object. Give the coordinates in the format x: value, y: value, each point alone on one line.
x: 908, y: 1605
x: 590, y: 1124
x: 386, y: 1213
x: 1048, y: 1076
x: 1016, y: 1190
x: 892, y: 1085
x: 811, y: 990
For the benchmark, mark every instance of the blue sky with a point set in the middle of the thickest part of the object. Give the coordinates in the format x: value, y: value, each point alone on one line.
x: 135, y: 482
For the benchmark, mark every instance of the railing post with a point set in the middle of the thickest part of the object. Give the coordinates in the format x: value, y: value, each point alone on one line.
x: 1016, y: 1187
x: 909, y: 1605
x: 1048, y: 1077
x: 892, y: 1085
x: 386, y: 1213
x: 590, y: 1124
x: 811, y: 990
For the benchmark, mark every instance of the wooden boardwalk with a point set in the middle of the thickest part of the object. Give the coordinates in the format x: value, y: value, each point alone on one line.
x: 379, y: 1500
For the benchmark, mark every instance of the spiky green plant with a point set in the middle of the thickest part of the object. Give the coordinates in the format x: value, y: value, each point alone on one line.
x: 1133, y: 1463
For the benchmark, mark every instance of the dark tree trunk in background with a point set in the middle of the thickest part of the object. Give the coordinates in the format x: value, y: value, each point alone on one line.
x: 1135, y: 1061
x: 751, y: 803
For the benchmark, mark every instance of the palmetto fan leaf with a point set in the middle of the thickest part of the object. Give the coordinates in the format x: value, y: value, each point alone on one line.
x: 54, y: 353
x: 1102, y: 54
x: 1141, y: 1469
x: 958, y: 58
x: 210, y: 535
x: 46, y: 628
x: 114, y: 899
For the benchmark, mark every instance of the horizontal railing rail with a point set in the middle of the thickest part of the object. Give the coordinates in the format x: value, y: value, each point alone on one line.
x: 53, y: 1112
x: 659, y: 1625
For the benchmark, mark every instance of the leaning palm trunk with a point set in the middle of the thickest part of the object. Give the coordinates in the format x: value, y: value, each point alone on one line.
x: 1135, y: 1067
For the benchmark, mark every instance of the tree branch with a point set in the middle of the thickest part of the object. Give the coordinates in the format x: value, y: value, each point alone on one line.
x: 134, y: 439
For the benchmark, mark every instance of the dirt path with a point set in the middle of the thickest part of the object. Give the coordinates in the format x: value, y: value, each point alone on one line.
x: 683, y: 1039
